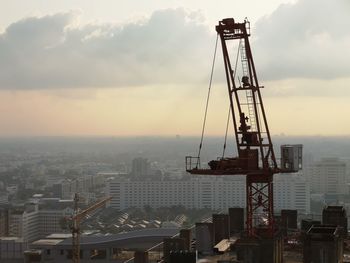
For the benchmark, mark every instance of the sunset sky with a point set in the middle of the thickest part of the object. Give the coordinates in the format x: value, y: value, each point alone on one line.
x: 120, y: 68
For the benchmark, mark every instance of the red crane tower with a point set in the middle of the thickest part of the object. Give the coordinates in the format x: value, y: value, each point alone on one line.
x: 256, y: 158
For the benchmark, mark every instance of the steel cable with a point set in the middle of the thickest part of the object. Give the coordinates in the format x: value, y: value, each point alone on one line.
x: 207, y: 102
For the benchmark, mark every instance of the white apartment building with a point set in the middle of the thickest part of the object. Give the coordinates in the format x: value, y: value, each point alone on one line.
x: 25, y: 223
x: 328, y: 176
x: 37, y: 221
x: 290, y: 192
x: 203, y: 192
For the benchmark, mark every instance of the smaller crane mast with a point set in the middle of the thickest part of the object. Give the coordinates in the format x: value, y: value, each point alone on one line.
x: 76, y: 218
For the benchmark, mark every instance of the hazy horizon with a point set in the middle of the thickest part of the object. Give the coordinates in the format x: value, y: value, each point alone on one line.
x: 164, y: 148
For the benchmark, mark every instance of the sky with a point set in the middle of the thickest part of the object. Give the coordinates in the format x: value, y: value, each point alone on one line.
x: 135, y: 68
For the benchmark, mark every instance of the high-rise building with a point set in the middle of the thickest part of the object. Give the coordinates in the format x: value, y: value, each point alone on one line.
x: 140, y: 167
x: 328, y: 176
x: 291, y: 191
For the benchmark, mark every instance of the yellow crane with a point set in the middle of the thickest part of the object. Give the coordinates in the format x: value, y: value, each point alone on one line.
x: 76, y: 219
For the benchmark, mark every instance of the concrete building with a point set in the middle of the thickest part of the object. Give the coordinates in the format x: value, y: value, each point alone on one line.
x: 49, y: 220
x: 204, y: 233
x: 35, y: 221
x: 323, y: 243
x: 24, y: 223
x: 265, y: 249
x: 204, y: 192
x: 65, y: 189
x: 221, y: 223
x: 290, y: 192
x: 140, y: 167
x: 328, y: 176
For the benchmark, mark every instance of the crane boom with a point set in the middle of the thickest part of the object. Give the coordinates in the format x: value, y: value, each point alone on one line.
x: 90, y: 209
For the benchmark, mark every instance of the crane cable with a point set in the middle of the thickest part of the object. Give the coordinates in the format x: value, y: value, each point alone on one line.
x: 207, y: 103
x: 229, y: 108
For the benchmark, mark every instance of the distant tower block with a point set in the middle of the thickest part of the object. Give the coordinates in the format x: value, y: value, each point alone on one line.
x: 140, y: 167
x: 291, y: 157
x: 236, y: 215
x: 221, y: 227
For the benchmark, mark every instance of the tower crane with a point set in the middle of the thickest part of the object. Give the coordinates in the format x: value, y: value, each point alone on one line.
x: 76, y: 218
x: 256, y: 157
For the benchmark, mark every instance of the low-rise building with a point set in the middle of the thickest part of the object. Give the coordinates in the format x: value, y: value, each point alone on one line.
x: 12, y: 249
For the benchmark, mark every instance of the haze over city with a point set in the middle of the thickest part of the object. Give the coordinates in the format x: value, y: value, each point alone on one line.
x: 166, y: 131
x: 78, y: 68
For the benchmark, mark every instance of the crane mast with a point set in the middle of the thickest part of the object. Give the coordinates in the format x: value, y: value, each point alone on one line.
x: 250, y: 125
x: 256, y: 158
x: 76, y: 219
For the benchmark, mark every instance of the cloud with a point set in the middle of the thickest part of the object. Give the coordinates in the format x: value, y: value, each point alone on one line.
x: 304, y: 40
x: 307, y: 39
x: 51, y: 52
x: 307, y: 87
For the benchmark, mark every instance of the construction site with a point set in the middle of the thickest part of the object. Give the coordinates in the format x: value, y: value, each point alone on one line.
x: 251, y: 234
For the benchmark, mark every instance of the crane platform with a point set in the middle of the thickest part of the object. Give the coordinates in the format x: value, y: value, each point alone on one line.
x: 221, y: 166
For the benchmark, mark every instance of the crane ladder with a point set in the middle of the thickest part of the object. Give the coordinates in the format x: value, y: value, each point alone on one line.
x: 249, y: 93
